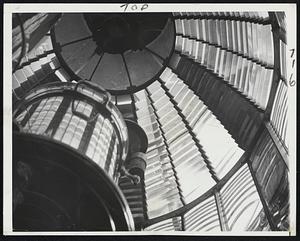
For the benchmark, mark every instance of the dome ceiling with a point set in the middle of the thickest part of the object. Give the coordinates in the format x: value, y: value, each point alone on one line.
x: 121, y: 52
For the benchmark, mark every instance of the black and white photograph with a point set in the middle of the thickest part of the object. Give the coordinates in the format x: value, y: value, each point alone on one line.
x: 149, y: 118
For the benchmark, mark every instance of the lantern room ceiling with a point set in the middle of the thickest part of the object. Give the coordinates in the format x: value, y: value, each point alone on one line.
x: 121, y: 52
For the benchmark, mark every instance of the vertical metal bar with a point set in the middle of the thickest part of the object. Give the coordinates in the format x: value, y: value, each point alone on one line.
x: 262, y: 199
x: 87, y: 134
x: 29, y: 113
x: 278, y: 144
x: 133, y: 107
x: 127, y: 71
x: 58, y: 116
x: 110, y: 152
x: 182, y: 223
x: 23, y: 48
x: 222, y: 216
x: 276, y: 73
x: 145, y: 211
x: 96, y: 66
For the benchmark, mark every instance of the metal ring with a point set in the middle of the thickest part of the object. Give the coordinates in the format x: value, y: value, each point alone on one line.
x: 95, y: 87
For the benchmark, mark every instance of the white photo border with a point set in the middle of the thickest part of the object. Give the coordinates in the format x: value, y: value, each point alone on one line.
x: 289, y: 9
